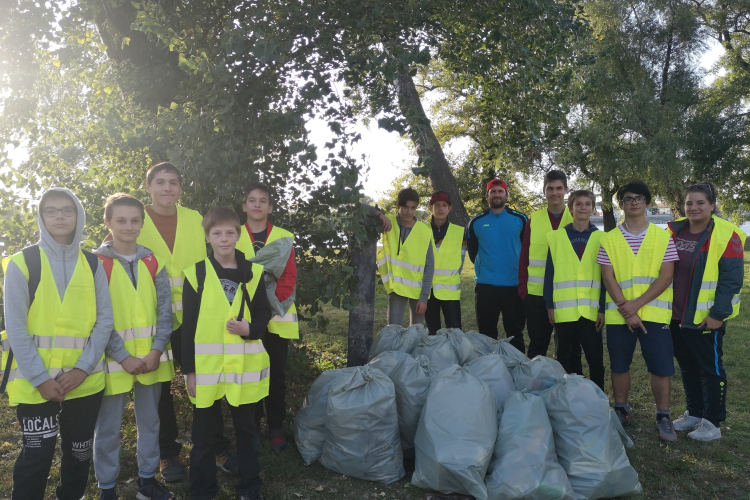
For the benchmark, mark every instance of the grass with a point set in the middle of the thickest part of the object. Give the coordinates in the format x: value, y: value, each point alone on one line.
x: 685, y: 469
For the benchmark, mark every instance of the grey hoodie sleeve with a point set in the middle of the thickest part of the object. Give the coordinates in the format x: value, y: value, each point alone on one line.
x: 116, y: 347
x: 429, y: 270
x: 16, y: 317
x: 164, y: 302
x: 102, y: 330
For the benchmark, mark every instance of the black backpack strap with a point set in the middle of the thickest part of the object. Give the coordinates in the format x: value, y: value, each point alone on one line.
x: 93, y: 261
x: 243, y: 287
x: 34, y: 264
x: 200, y: 276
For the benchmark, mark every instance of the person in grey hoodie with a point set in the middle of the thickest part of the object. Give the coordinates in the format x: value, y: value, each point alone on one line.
x: 145, y: 362
x: 58, y: 341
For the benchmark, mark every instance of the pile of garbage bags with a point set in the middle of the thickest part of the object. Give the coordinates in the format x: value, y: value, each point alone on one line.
x: 477, y: 416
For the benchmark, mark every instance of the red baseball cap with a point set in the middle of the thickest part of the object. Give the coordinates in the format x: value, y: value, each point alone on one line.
x: 440, y: 196
x: 497, y: 182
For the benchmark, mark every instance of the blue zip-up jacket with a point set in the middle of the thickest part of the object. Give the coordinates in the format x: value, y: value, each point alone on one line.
x: 494, y: 245
x: 731, y: 274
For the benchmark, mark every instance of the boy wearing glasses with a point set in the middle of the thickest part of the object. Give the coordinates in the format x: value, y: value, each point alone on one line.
x: 59, y: 319
x: 637, y: 262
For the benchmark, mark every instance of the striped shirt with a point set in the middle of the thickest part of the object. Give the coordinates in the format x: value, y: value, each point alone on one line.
x: 635, y: 240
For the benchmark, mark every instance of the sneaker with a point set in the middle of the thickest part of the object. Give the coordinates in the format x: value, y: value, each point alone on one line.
x: 171, y: 469
x: 108, y: 494
x: 254, y: 495
x: 278, y: 440
x: 686, y: 422
x: 666, y: 430
x: 151, y: 489
x: 227, y: 462
x: 706, y: 431
x: 622, y: 416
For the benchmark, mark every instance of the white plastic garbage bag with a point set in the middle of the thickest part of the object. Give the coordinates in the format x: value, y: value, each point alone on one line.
x: 397, y: 338
x: 465, y: 352
x: 309, y: 424
x: 411, y: 379
x: 428, y: 367
x: 587, y: 443
x: 524, y: 465
x: 491, y: 370
x: 386, y: 361
x: 456, y: 434
x: 482, y: 343
x: 506, y: 349
x: 438, y: 349
x: 362, y: 438
x: 538, y: 374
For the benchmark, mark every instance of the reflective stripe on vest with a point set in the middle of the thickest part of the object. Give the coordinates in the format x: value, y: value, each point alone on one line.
x: 286, y: 327
x: 226, y: 364
x: 721, y: 236
x: 135, y: 311
x: 446, y: 281
x: 60, y: 330
x: 540, y: 226
x: 401, y: 265
x: 576, y: 285
x: 189, y: 248
x: 636, y: 274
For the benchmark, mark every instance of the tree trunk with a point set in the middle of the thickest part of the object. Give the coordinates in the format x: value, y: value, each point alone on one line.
x: 428, y: 147
x: 362, y: 317
x: 608, y: 209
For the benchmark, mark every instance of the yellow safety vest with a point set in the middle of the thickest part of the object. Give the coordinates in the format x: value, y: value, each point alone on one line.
x: 446, y: 283
x: 287, y: 326
x: 226, y: 364
x: 577, y: 284
x: 189, y: 248
x: 635, y: 274
x: 720, y: 238
x: 540, y: 226
x: 60, y: 330
x: 401, y: 265
x: 135, y: 312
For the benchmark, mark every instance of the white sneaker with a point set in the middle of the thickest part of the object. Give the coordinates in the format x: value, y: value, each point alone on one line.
x: 706, y: 431
x: 686, y: 422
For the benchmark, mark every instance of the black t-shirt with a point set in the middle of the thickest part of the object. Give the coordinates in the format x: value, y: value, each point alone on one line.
x: 230, y: 280
x: 259, y: 240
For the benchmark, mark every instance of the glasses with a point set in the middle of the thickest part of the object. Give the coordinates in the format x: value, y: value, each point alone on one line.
x: 634, y: 200
x: 704, y: 186
x: 52, y: 212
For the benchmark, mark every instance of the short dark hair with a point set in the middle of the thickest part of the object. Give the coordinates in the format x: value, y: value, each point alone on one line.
x: 555, y: 175
x: 635, y: 187
x: 260, y: 186
x: 164, y: 166
x: 708, y: 189
x: 580, y: 193
x: 407, y: 194
x: 122, y: 200
x: 220, y: 215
